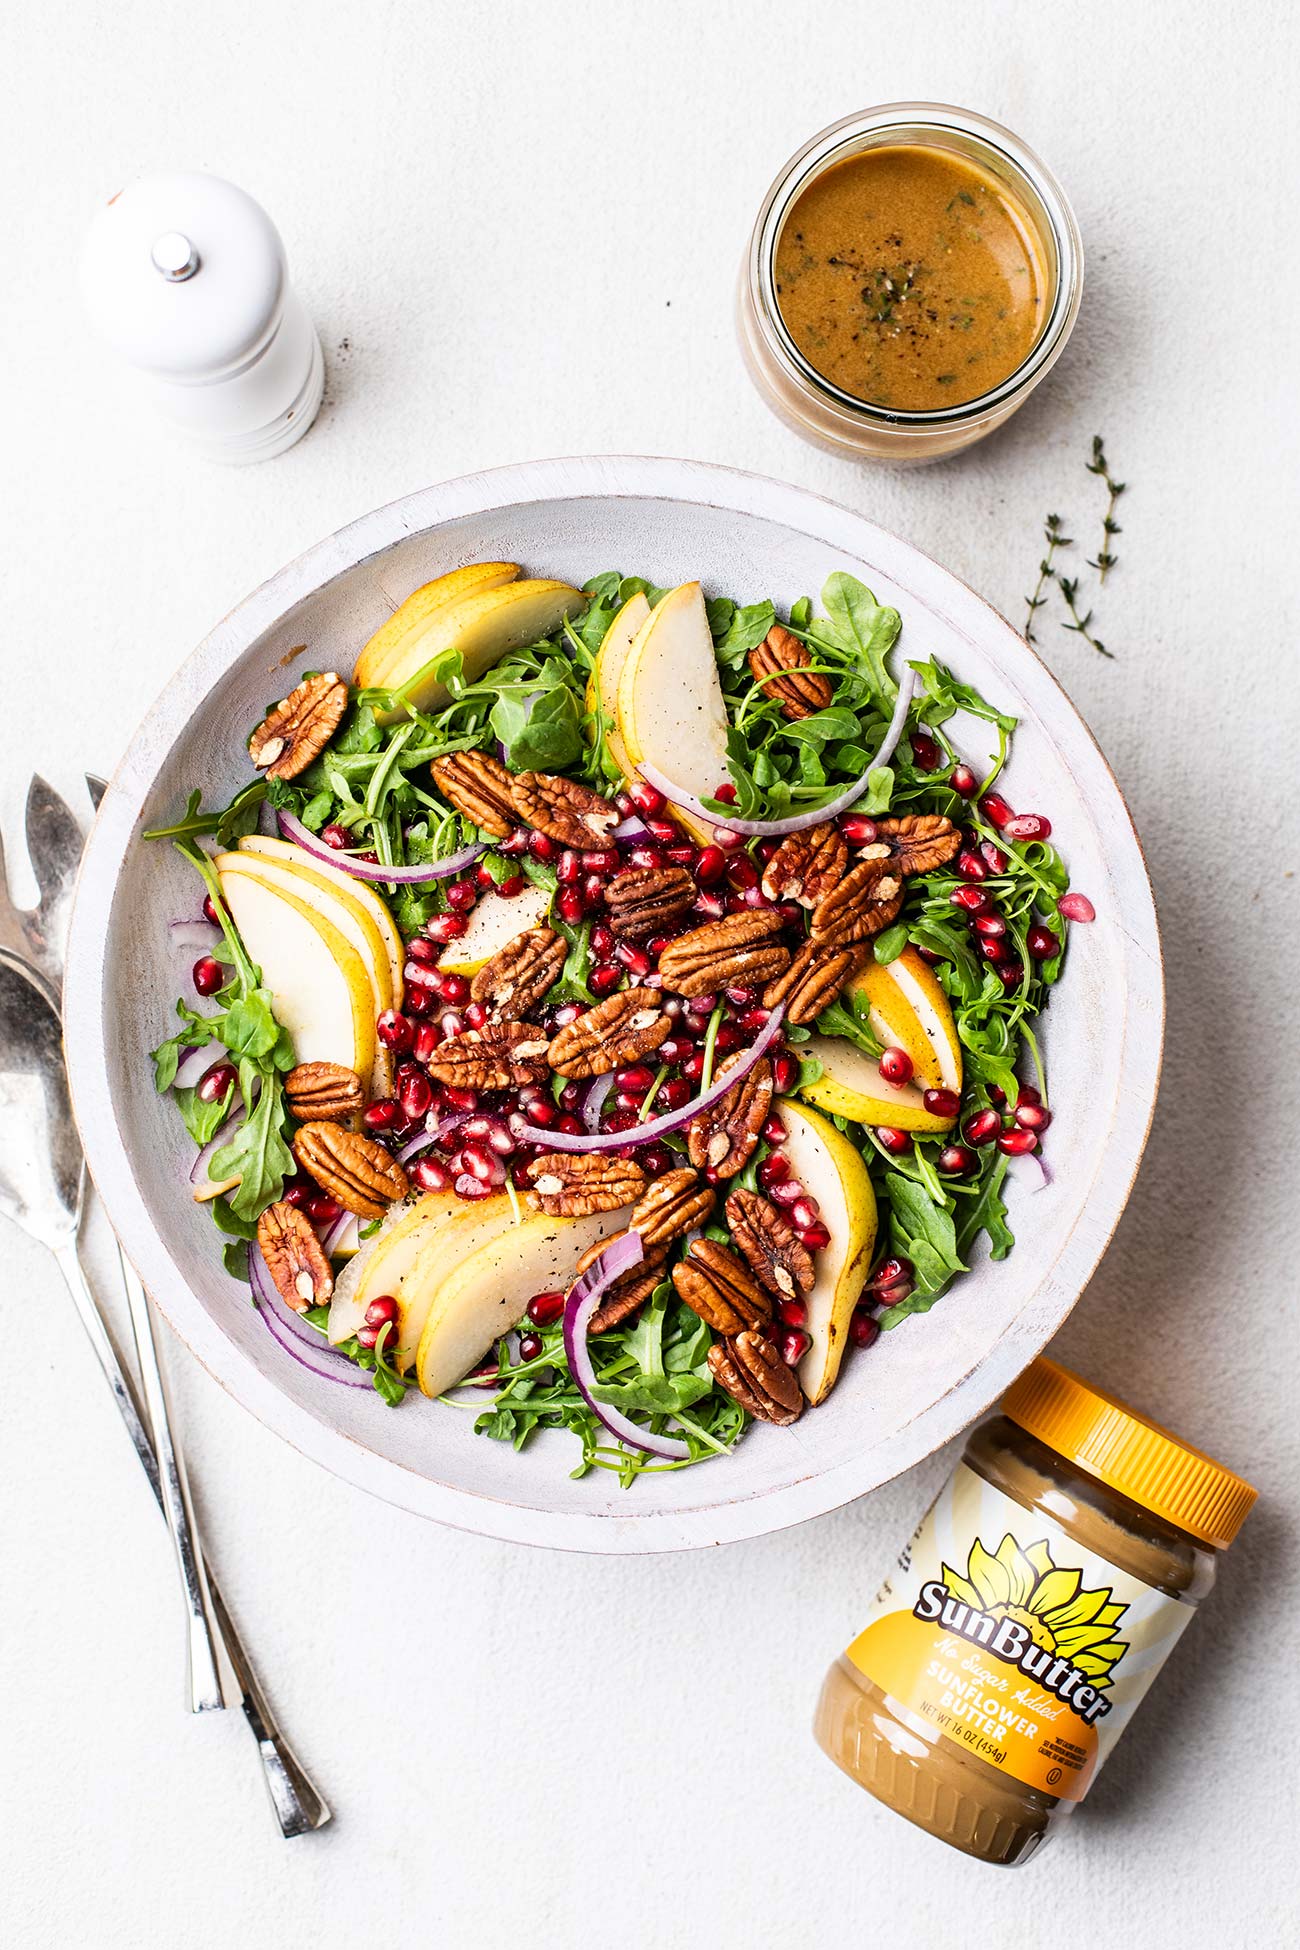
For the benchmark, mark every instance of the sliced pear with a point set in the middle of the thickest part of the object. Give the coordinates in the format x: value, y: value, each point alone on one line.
x: 602, y: 685
x: 357, y: 891
x: 671, y: 712
x: 382, y: 1267
x: 408, y: 622
x: 832, y: 1171
x: 492, y: 923
x: 483, y: 626
x: 486, y: 1294
x: 851, y: 1086
x: 321, y: 989
x: 909, y: 1011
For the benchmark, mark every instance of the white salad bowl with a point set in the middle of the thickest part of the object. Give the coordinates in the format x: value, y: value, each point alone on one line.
x: 746, y: 537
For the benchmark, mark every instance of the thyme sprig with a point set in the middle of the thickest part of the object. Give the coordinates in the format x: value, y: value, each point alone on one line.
x: 1055, y: 539
x: 1069, y: 586
x: 1105, y: 558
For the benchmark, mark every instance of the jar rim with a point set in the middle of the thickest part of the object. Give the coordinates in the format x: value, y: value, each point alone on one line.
x: 829, y: 146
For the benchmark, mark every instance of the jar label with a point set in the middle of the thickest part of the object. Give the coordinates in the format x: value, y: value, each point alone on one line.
x: 1002, y: 1633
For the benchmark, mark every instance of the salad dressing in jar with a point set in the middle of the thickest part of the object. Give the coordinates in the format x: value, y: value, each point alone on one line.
x: 1028, y: 1615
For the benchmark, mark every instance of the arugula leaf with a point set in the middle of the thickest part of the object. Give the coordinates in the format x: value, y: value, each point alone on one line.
x: 541, y: 732
x: 950, y: 695
x: 203, y: 1120
x: 850, y: 1016
x: 746, y: 630
x: 987, y: 1212
x: 655, y: 1394
x: 229, y: 823
x: 890, y: 943
x: 257, y: 1153
x: 880, y: 789
x: 923, y: 1231
x: 863, y: 627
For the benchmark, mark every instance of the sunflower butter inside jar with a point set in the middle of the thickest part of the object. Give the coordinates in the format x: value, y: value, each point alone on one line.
x: 1028, y: 1615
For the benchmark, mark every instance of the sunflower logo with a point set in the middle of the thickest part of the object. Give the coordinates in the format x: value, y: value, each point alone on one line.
x: 1060, y: 1618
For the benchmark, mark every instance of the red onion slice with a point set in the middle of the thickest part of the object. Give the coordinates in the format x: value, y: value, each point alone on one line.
x: 194, y: 1066
x: 343, y: 1236
x: 193, y: 936
x: 306, y: 1346
x: 594, y: 1101
x: 1031, y: 1171
x: 672, y: 1120
x: 630, y: 830
x: 293, y: 829
x: 619, y: 1257
x: 434, y: 1135
x: 796, y: 822
x: 199, y: 1169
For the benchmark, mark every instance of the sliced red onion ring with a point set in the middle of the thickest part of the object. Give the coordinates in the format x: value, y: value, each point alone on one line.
x: 594, y: 1101
x: 193, y: 936
x: 307, y: 1347
x: 1033, y: 1172
x: 293, y: 829
x: 672, y: 1120
x: 630, y: 830
x: 434, y: 1135
x: 194, y: 1065
x: 619, y: 1257
x: 343, y: 1236
x: 797, y: 822
x: 199, y: 1173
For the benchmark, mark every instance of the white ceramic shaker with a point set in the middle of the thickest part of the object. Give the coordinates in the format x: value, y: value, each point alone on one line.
x: 185, y: 278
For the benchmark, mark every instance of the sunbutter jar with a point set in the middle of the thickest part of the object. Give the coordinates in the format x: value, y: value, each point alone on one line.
x: 1027, y: 1617
x: 864, y: 428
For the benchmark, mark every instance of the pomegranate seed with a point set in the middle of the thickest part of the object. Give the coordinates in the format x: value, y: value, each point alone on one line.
x: 421, y: 951
x: 459, y: 1097
x: 625, y: 803
x: 793, y: 1345
x: 925, y: 751
x: 930, y: 956
x: 640, y: 856
x: 863, y: 1330
x: 1032, y: 1117
x: 382, y: 1311
x: 296, y: 1195
x: 709, y: 907
x: 444, y: 928
x: 484, y: 876
x: 994, y: 950
x: 451, y: 1024
x: 368, y: 1336
x: 572, y: 1094
x: 1027, y: 826
x: 955, y: 1160
x: 511, y: 888
x: 461, y: 896
x: 647, y: 799
x: 971, y: 867
x: 786, y: 1192
x: 710, y: 866
x: 814, y: 1238
x: 963, y: 781
x: 541, y: 846
x: 569, y: 867
x: 981, y: 1127
x: 395, y: 1032
x: 336, y: 836
x: 993, y: 857
x: 1042, y: 943
x: 381, y: 1115
x: 655, y: 1159
x: 530, y: 1346
x: 215, y: 1082
x: 207, y: 975
x: 992, y: 926
x: 570, y: 1125
x: 755, y: 897
x: 767, y: 849
x: 804, y: 1213
x: 469, y: 1187
x: 624, y: 1118
x: 593, y: 889
x: 858, y: 830
x: 662, y: 831
x: 542, y: 1112
x: 676, y: 1092
x: 604, y: 859
x: 896, y: 1066
x: 637, y: 1080
x: 323, y: 1210
x: 415, y: 1096
x: 210, y: 911
x: 996, y: 810
x: 634, y: 959
x: 571, y: 905
x: 681, y: 855
x: 785, y: 1073
x: 483, y: 1165
x: 545, y: 1308
x: 729, y: 1037
x: 605, y: 978
x: 1077, y: 907
x: 476, y: 1015
x: 774, y: 1170
x: 791, y: 913
x: 941, y: 1103
x: 1028, y: 1093
x: 774, y: 1131
x: 753, y: 1020
x: 1009, y: 973
x: 516, y: 844
x: 742, y: 872
x: 729, y: 842
x: 889, y: 1273
x: 702, y: 1005
x: 973, y: 899
x: 483, y: 1377
x: 1018, y: 1144
x: 889, y: 1296
x: 454, y: 989
x: 726, y: 793
x: 429, y: 1174
x: 602, y: 942
x: 693, y: 1067
x: 793, y: 1313
x: 675, y: 1049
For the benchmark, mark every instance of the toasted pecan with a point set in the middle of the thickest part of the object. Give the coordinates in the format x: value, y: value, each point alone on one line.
x: 298, y: 729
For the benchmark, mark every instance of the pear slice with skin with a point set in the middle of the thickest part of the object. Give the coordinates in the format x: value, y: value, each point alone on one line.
x: 357, y: 891
x: 671, y: 712
x: 909, y: 1011
x: 832, y: 1171
x: 320, y: 988
x: 402, y: 631
x: 382, y: 1268
x: 602, y: 685
x: 487, y: 1292
x: 493, y: 923
x: 353, y: 922
x: 484, y: 626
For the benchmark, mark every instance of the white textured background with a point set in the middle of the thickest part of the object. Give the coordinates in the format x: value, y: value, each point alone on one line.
x: 518, y: 229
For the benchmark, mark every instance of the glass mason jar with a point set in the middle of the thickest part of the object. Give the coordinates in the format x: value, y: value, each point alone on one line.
x: 813, y: 405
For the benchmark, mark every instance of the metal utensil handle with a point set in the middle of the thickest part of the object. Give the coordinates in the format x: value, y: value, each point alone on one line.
x: 204, y: 1679
x: 298, y: 1806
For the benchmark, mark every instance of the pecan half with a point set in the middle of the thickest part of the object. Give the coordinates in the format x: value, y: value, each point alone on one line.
x: 720, y: 1288
x: 724, y: 1137
x: 740, y: 950
x: 519, y: 975
x: 294, y: 1257
x: 778, y: 664
x: 568, y: 813
x: 648, y: 900
x: 751, y: 1370
x: 479, y: 787
x: 618, y: 1031
x: 670, y: 1206
x: 570, y: 1185
x: 919, y: 842
x: 298, y: 730
x: 623, y: 1298
x: 807, y: 865
x: 359, y: 1173
x: 492, y: 1058
x: 768, y: 1242
x: 813, y: 980
x: 324, y: 1093
x: 869, y: 898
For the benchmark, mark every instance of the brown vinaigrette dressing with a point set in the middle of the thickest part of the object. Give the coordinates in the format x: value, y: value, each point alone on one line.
x: 910, y: 279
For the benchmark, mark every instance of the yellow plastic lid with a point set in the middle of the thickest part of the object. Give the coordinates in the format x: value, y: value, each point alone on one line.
x: 1136, y: 1457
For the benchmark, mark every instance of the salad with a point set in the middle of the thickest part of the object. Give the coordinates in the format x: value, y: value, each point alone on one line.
x: 615, y: 1006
